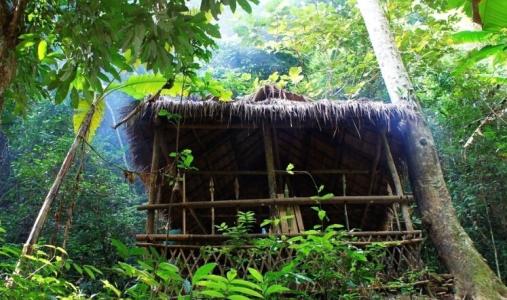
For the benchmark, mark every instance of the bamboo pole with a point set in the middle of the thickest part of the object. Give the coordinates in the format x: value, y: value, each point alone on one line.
x: 353, y: 200
x: 397, y: 182
x: 212, y: 199
x: 353, y: 243
x: 373, y: 177
x: 263, y: 173
x: 345, y: 210
x: 270, y: 165
x: 152, y: 196
x: 394, y: 207
x: 184, y: 201
x: 219, y: 237
x: 53, y: 191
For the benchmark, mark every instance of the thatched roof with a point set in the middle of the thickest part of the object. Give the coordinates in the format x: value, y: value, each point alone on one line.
x: 277, y: 106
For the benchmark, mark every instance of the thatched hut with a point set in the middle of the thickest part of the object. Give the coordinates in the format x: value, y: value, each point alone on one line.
x: 241, y: 150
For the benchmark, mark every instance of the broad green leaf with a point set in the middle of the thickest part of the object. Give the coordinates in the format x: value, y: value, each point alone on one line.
x: 256, y: 274
x: 238, y: 297
x: 276, y: 289
x: 246, y: 283
x: 77, y: 268
x: 140, y: 86
x: 290, y: 168
x: 245, y: 5
x: 109, y: 286
x: 493, y: 14
x: 479, y: 55
x: 212, y: 294
x: 245, y: 290
x: 295, y: 74
x: 42, y: 49
x: 322, y: 215
x: 471, y: 37
x: 62, y: 91
x: 89, y: 272
x: 203, y: 271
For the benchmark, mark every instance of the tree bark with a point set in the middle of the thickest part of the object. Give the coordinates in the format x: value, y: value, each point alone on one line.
x: 7, y: 68
x: 11, y: 26
x: 474, y: 278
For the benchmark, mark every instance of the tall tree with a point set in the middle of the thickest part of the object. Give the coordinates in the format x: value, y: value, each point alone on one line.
x: 474, y: 278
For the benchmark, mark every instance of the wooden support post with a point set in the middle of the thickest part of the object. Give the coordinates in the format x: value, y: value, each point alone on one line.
x: 236, y: 188
x: 212, y: 198
x: 270, y: 164
x: 270, y: 168
x: 345, y: 210
x: 394, y: 207
x: 397, y: 182
x: 373, y: 178
x: 153, y: 190
x: 184, y: 200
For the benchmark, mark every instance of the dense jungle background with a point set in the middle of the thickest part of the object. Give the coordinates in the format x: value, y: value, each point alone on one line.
x: 316, y: 48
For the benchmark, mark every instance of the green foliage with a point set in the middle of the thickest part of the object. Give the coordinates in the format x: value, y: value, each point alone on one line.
x: 103, y: 205
x: 339, y: 269
x: 244, y: 224
x: 184, y: 158
x: 44, y: 274
x: 77, y: 48
x: 492, y: 37
x: 233, y: 288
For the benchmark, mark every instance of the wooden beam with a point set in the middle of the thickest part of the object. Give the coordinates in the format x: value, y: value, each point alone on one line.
x: 354, y: 243
x: 397, y: 182
x: 263, y: 173
x: 220, y: 237
x: 352, y: 200
x: 201, y: 126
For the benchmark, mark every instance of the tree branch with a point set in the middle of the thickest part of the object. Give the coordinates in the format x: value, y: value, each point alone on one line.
x: 487, y: 120
x: 17, y: 19
x: 476, y: 16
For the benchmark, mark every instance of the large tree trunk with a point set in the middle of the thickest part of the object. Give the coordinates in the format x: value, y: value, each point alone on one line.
x: 474, y: 278
x: 7, y: 67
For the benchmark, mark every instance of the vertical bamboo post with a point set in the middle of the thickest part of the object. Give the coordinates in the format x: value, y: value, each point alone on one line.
x: 373, y: 178
x: 184, y: 200
x: 270, y: 164
x: 212, y: 199
x: 394, y: 207
x: 345, y: 210
x: 270, y: 168
x: 397, y: 183
x: 152, y: 196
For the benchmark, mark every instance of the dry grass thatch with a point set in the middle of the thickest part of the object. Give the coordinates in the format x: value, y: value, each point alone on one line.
x: 275, y: 105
